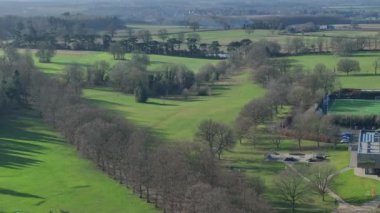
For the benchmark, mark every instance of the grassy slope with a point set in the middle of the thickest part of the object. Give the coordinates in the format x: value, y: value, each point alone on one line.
x: 39, y: 173
x: 357, y: 107
x: 365, y: 79
x: 179, y: 119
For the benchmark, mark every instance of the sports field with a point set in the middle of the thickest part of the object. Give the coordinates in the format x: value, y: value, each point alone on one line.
x: 355, y: 107
x: 41, y: 173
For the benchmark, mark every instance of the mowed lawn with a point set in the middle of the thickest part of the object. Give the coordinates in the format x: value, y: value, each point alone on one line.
x: 355, y: 107
x: 179, y: 119
x: 64, y: 58
x: 40, y: 173
x: 365, y: 79
x: 354, y: 189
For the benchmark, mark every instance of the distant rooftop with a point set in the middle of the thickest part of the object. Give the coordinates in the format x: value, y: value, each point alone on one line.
x: 369, y: 142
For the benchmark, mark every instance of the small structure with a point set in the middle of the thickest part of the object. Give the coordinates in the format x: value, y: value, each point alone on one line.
x: 368, y: 154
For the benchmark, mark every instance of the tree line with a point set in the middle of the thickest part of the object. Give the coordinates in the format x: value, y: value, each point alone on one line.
x: 133, y: 77
x: 287, y: 85
x: 186, y: 178
x: 77, y: 32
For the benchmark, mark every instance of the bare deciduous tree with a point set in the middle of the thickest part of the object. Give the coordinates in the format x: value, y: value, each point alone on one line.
x: 219, y: 137
x: 290, y: 187
x: 321, y: 177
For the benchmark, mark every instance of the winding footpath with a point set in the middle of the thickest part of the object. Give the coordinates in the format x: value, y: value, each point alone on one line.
x: 344, y: 207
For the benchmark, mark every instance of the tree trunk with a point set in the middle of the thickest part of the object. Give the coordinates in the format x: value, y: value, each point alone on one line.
x: 147, y: 194
x: 140, y: 191
x: 299, y: 143
x: 293, y: 206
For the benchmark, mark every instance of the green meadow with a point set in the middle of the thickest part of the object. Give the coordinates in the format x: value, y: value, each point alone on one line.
x: 355, y: 107
x: 179, y: 119
x: 365, y: 79
x: 41, y: 173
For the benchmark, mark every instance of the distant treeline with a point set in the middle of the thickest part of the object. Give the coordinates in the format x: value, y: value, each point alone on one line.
x: 78, y: 31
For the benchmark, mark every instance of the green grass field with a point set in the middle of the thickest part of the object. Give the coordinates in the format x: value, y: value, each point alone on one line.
x: 359, y: 190
x: 360, y: 80
x: 64, y: 58
x: 355, y: 107
x: 179, y: 119
x: 40, y: 173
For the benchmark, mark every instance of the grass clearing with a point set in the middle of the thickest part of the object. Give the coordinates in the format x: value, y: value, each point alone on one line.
x: 40, y: 173
x: 179, y: 119
x: 355, y: 107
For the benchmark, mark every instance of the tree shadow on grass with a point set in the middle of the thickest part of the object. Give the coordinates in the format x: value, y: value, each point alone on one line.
x: 18, y: 144
x: 18, y: 194
x: 160, y: 104
x: 17, y: 154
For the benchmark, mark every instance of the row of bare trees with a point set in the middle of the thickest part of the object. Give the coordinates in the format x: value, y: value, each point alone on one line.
x: 176, y: 178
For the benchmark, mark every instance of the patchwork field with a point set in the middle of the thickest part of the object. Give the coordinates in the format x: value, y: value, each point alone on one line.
x: 40, y: 173
x: 355, y: 107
